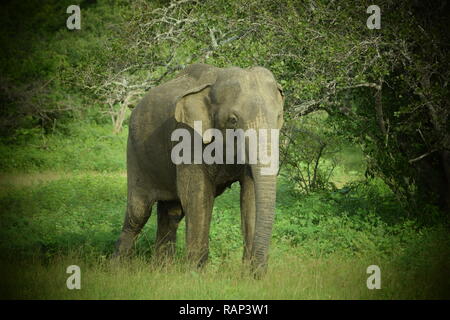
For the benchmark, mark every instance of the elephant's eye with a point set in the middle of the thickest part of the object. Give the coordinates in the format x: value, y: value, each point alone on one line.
x: 232, y: 120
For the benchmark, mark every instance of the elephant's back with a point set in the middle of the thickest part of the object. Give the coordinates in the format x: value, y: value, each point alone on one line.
x: 158, y: 105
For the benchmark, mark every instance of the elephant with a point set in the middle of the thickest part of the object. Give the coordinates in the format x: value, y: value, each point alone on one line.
x: 221, y: 98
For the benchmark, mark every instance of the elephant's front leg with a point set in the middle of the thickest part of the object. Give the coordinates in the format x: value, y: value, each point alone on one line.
x: 248, y: 213
x: 196, y: 192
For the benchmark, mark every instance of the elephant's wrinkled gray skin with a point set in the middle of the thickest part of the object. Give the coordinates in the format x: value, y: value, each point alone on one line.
x: 220, y: 98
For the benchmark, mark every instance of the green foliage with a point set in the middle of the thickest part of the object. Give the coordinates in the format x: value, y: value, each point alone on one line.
x: 79, y: 210
x: 44, y: 66
x: 80, y: 146
x: 308, y: 153
x: 353, y: 220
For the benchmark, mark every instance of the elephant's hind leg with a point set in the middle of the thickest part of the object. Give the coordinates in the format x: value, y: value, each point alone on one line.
x: 139, y: 208
x: 170, y: 214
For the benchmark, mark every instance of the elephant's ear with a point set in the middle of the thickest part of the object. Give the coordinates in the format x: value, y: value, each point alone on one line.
x: 194, y: 105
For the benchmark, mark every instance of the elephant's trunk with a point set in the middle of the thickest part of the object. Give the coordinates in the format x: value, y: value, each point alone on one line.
x: 265, y: 191
x: 265, y: 182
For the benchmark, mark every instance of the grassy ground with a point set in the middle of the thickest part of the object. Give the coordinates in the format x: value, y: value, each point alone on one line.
x: 291, y: 276
x: 64, y: 204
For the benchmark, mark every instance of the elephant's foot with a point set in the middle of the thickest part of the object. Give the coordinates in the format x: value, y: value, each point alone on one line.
x: 258, y: 269
x: 197, y: 258
x: 124, y: 246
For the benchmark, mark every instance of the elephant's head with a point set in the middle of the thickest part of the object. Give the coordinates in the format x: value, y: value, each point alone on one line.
x: 245, y: 99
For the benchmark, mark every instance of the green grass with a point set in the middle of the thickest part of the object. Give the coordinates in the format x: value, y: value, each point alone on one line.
x: 76, y: 147
x: 290, y: 276
x: 69, y: 210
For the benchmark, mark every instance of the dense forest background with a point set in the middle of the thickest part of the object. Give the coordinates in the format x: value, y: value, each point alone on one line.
x: 365, y: 155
